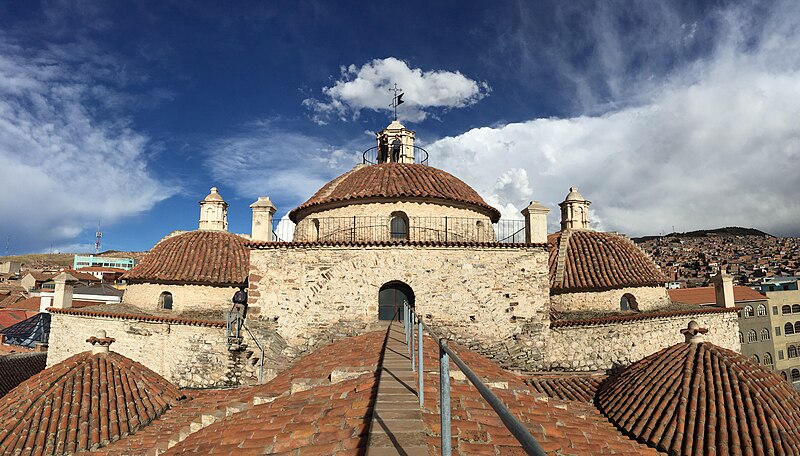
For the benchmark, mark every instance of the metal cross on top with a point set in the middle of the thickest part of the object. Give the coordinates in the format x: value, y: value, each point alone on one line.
x: 397, y: 99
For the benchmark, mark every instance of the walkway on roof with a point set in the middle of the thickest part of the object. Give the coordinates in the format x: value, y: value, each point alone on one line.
x: 397, y: 427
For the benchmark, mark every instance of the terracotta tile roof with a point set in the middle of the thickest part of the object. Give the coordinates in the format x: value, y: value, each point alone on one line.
x: 82, y: 276
x: 705, y: 295
x: 196, y: 257
x: 597, y: 261
x: 81, y: 403
x: 18, y: 367
x: 27, y: 304
x: 700, y: 399
x: 560, y: 427
x: 151, y: 318
x: 567, y: 387
x: 395, y: 180
x: 41, y: 276
x: 639, y: 316
x: 273, y: 245
x: 329, y: 420
x: 10, y: 317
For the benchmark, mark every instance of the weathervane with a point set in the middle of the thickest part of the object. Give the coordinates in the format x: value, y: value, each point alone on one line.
x: 397, y: 99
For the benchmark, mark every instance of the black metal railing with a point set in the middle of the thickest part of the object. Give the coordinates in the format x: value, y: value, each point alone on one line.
x: 421, y: 229
x: 372, y: 155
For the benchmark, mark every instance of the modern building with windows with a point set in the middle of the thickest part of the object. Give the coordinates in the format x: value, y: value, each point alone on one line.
x: 81, y: 261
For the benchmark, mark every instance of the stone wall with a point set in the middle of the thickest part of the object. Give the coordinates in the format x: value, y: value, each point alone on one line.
x: 647, y: 298
x: 184, y: 297
x: 428, y: 222
x: 187, y: 355
x: 602, y: 347
x: 495, y: 297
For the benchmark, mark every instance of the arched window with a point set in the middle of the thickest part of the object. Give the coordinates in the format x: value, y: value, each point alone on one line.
x: 767, y: 359
x: 399, y: 226
x: 788, y: 329
x: 315, y: 222
x: 165, y: 301
x: 764, y: 334
x: 795, y: 308
x: 783, y: 374
x: 795, y: 375
x: 752, y: 336
x: 792, y: 351
x: 628, y: 302
x: 748, y: 311
x: 741, y: 337
x: 786, y: 310
x: 755, y: 359
x: 797, y: 327
x: 761, y: 310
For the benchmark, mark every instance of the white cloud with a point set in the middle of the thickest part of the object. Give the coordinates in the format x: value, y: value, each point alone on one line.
x: 66, y: 161
x: 716, y: 143
x: 367, y: 87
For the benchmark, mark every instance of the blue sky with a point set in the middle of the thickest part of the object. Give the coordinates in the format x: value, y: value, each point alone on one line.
x: 664, y: 114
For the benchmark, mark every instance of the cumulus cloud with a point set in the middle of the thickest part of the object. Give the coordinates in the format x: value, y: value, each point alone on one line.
x: 66, y: 159
x: 367, y: 87
x: 714, y: 143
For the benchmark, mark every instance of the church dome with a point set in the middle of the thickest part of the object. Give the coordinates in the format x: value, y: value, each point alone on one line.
x: 699, y: 399
x: 82, y: 403
x: 395, y: 180
x: 582, y: 260
x: 197, y: 257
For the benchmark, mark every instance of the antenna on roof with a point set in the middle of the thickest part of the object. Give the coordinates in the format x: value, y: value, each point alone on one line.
x: 397, y: 99
x: 98, y: 236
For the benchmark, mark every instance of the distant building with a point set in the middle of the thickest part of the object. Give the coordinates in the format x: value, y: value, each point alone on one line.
x: 104, y: 274
x: 105, y: 262
x: 780, y: 284
x: 9, y: 267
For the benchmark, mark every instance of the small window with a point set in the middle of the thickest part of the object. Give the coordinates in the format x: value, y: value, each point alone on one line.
x: 752, y: 336
x: 755, y: 359
x: 780, y: 354
x: 761, y: 310
x: 783, y: 374
x: 774, y: 310
x: 399, y: 226
x: 767, y: 359
x: 777, y: 330
x: 791, y: 351
x: 788, y: 329
x: 628, y: 302
x: 795, y: 375
x: 765, y: 334
x: 795, y: 308
x: 165, y: 301
x: 797, y: 327
x: 741, y: 337
x: 786, y: 310
x: 748, y: 311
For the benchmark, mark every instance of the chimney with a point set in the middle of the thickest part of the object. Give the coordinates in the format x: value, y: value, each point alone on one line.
x: 723, y: 289
x: 263, y: 209
x: 535, y: 223
x: 65, y: 283
x: 100, y: 344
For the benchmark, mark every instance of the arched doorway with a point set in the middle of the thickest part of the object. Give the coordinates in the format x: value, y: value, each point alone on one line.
x: 391, y: 298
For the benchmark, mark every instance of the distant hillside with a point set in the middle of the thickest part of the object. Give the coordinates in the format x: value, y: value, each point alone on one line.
x: 727, y: 231
x: 39, y: 260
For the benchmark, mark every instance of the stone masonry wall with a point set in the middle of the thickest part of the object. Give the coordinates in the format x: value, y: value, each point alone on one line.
x: 188, y: 356
x: 610, y: 346
x: 184, y: 297
x: 372, y: 222
x: 493, y: 296
x: 648, y: 298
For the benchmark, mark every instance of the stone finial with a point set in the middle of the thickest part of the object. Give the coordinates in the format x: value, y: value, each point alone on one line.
x: 694, y: 333
x: 535, y: 223
x: 213, y: 212
x: 100, y: 343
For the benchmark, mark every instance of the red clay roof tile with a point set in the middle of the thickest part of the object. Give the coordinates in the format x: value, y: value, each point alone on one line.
x: 705, y: 295
x: 395, y: 180
x: 196, y: 257
x: 83, y: 402
x: 18, y: 367
x: 597, y: 261
x: 151, y: 318
x: 638, y: 316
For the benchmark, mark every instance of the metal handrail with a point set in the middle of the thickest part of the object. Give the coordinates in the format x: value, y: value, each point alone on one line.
x: 420, y: 160
x: 261, y: 348
x: 517, y: 429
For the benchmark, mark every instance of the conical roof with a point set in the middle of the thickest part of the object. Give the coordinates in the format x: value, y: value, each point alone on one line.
x: 82, y: 403
x: 701, y: 399
x: 395, y: 180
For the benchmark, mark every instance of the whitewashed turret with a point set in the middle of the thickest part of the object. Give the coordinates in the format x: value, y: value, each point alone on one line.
x: 535, y: 223
x: 213, y: 212
x: 263, y: 210
x: 574, y: 211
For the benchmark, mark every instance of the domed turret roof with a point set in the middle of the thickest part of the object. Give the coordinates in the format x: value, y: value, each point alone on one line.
x: 82, y: 403
x: 196, y: 257
x: 699, y: 399
x: 582, y: 260
x: 573, y: 195
x: 214, y: 195
x: 395, y: 180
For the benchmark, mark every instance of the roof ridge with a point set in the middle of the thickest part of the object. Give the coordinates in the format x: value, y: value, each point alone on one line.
x: 561, y: 260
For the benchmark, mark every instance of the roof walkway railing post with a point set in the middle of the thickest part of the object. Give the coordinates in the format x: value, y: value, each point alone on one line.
x: 444, y: 398
x: 411, y: 328
x: 421, y: 371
